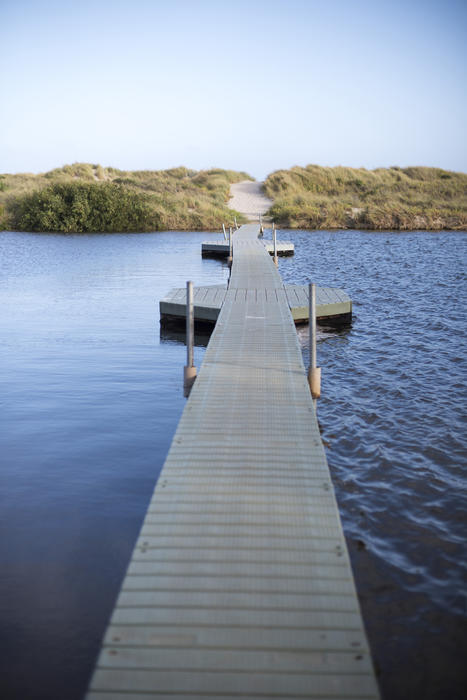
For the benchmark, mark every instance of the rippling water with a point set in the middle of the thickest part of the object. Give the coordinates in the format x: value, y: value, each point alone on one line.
x: 392, y: 415
x: 92, y: 394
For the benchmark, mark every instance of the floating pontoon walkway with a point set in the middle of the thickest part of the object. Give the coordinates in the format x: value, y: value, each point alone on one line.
x: 240, y: 585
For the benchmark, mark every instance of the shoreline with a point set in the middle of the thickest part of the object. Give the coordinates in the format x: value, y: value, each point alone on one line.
x: 218, y: 231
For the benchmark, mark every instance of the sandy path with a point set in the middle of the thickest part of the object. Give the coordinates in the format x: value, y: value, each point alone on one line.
x: 247, y: 197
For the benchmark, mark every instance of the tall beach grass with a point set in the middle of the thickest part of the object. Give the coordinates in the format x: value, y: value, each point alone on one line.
x: 175, y: 199
x: 386, y: 198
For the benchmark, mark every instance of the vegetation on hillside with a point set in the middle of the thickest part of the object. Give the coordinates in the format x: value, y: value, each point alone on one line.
x: 386, y: 198
x: 83, y: 207
x: 89, y: 198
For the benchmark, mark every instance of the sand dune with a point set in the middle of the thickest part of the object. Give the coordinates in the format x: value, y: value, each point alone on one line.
x: 247, y: 197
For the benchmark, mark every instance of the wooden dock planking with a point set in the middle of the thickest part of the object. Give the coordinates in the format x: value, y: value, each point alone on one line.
x: 240, y: 583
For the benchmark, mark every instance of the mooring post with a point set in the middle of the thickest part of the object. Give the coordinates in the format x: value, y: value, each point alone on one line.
x: 274, y: 237
x: 225, y: 233
x: 261, y: 229
x: 314, y: 372
x: 189, y: 372
x: 229, y: 259
x: 235, y: 221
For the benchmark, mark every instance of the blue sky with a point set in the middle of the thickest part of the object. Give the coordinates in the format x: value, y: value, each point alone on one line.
x: 249, y: 85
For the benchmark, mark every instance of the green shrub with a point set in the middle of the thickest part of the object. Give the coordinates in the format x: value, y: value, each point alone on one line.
x: 82, y: 207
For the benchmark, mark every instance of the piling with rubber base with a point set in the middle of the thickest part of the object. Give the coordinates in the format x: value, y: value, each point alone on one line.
x: 314, y: 372
x: 229, y: 259
x: 189, y: 371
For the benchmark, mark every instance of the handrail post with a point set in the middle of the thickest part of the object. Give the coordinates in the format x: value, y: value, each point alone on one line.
x: 189, y: 371
x: 225, y: 233
x: 314, y: 372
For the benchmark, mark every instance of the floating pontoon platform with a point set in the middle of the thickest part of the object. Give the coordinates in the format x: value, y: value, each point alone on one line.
x: 220, y: 248
x: 334, y: 306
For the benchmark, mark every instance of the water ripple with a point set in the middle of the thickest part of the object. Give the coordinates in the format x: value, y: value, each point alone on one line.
x: 393, y: 419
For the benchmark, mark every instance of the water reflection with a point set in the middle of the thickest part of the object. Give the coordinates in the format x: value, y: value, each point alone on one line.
x: 177, y: 335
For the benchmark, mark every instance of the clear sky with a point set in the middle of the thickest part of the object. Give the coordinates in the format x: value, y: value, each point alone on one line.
x: 251, y: 85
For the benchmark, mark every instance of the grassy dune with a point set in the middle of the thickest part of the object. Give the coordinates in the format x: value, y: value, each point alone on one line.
x: 66, y: 199
x: 386, y: 198
x: 85, y: 197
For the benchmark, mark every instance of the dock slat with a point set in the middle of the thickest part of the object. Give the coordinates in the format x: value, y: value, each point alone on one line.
x: 323, y: 640
x: 249, y: 684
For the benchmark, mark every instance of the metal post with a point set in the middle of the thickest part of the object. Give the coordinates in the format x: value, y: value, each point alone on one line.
x: 235, y: 220
x: 275, y: 243
x: 225, y: 233
x: 189, y: 373
x: 314, y: 372
x: 229, y: 259
x: 312, y: 322
x: 261, y: 229
x: 189, y: 324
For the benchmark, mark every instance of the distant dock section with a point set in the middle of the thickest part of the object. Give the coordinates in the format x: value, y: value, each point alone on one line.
x: 333, y: 306
x: 220, y: 248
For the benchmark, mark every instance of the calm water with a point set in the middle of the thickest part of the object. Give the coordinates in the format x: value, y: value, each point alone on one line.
x: 92, y: 393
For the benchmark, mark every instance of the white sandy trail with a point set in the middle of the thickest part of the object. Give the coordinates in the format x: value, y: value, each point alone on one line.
x: 247, y: 197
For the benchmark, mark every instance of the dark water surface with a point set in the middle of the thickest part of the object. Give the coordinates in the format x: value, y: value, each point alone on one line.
x: 92, y: 393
